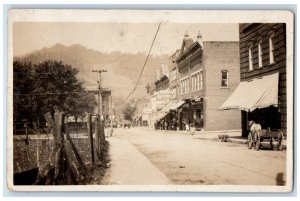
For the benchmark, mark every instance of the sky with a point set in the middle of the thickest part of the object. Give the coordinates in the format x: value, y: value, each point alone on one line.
x: 108, y: 37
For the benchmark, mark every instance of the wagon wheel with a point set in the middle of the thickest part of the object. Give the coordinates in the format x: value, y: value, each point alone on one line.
x: 279, y: 142
x: 257, y: 141
x: 250, y: 140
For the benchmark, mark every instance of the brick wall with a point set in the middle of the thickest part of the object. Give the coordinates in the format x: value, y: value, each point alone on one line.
x: 252, y: 34
x: 218, y: 56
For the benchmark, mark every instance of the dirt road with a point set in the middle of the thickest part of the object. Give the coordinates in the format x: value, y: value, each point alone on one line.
x: 185, y: 159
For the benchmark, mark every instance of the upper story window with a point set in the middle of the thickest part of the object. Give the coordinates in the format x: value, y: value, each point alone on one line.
x: 173, y: 93
x: 224, y: 82
x: 197, y: 81
x: 200, y: 80
x: 260, y: 63
x: 271, y: 48
x: 193, y: 82
x: 184, y: 85
x: 250, y: 58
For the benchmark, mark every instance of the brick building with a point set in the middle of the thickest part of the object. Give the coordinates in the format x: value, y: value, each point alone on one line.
x: 140, y: 118
x: 173, y: 76
x: 262, y: 75
x: 208, y: 74
x: 158, y: 94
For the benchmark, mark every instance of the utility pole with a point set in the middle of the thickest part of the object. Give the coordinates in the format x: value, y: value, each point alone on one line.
x: 111, y: 116
x: 100, y: 91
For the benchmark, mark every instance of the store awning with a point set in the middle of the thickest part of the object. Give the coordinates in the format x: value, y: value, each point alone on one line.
x: 167, y: 107
x: 176, y: 105
x: 198, y: 98
x: 160, y: 115
x: 257, y: 93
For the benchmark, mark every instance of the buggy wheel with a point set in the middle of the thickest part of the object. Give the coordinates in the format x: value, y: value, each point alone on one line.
x: 257, y: 141
x: 279, y: 142
x: 250, y: 141
x: 257, y: 145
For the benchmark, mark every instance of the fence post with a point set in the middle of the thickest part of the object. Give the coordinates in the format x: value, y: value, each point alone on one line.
x: 97, y: 136
x: 90, y: 135
x: 59, y: 145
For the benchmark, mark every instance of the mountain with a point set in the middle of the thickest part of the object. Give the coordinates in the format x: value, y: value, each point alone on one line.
x: 123, y: 68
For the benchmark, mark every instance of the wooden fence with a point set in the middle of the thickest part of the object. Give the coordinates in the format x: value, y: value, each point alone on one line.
x: 66, y: 164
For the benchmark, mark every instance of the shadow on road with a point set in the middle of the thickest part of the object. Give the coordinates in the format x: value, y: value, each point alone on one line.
x: 280, y: 180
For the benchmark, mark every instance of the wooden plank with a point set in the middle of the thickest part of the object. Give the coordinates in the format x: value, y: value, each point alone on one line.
x: 97, y: 137
x: 82, y: 166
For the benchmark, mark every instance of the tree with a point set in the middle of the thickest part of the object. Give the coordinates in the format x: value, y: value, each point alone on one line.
x: 83, y: 102
x: 128, y: 112
x: 22, y: 107
x: 38, y: 88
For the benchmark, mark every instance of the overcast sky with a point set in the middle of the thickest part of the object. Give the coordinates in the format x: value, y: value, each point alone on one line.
x: 108, y: 37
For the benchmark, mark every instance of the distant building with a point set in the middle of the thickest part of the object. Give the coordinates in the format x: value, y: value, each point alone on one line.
x: 140, y: 118
x: 106, y: 101
x: 208, y: 74
x: 261, y: 94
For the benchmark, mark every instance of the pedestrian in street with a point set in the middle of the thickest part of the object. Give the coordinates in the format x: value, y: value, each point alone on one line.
x: 187, y: 127
x: 166, y: 125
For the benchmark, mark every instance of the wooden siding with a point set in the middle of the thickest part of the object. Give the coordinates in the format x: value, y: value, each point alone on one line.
x: 252, y: 34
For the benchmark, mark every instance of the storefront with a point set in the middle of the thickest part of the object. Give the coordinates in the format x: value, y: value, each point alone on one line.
x: 258, y: 100
x: 168, y: 117
x: 197, y: 113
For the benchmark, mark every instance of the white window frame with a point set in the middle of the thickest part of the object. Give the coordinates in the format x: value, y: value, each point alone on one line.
x: 260, y: 54
x: 201, y: 80
x: 250, y: 58
x: 271, y: 49
x: 198, y: 80
x: 227, y: 79
x: 184, y: 85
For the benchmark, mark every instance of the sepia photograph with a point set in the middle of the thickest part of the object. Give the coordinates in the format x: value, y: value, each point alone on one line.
x: 150, y: 100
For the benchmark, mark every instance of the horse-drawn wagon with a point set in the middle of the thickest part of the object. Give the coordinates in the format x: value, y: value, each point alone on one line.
x: 264, y: 138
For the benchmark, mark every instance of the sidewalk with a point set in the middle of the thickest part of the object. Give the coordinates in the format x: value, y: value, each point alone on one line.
x: 130, y: 167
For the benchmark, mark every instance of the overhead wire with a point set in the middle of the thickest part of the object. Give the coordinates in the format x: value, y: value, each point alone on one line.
x: 140, y: 75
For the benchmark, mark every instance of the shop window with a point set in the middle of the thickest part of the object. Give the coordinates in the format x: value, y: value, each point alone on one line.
x: 224, y: 82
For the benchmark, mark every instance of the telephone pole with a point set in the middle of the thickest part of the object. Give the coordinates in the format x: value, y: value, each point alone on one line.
x: 100, y: 91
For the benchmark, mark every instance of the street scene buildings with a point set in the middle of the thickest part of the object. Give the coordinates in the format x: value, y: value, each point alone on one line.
x: 200, y: 77
x: 263, y: 64
x: 169, y: 104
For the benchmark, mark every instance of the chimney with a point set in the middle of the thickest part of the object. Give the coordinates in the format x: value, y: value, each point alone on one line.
x: 199, y: 39
x: 186, y: 35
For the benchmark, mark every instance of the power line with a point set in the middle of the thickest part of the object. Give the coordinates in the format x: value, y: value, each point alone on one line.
x: 142, y: 68
x: 41, y: 94
x: 28, y: 73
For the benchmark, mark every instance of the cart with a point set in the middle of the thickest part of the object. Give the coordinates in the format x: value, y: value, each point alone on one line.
x: 263, y: 138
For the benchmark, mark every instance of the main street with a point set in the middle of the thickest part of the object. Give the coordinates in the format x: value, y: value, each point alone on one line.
x: 181, y: 158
